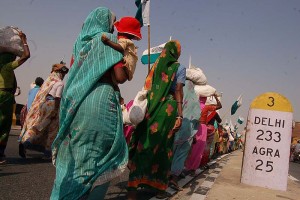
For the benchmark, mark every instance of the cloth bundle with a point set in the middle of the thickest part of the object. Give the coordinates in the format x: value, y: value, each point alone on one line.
x: 204, y: 90
x: 211, y: 100
x: 10, y: 42
x: 137, y: 111
x: 197, y: 76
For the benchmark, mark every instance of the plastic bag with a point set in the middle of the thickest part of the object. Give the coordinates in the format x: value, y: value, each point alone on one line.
x: 138, y: 109
x: 204, y: 90
x: 196, y: 75
x: 10, y: 41
x: 125, y: 113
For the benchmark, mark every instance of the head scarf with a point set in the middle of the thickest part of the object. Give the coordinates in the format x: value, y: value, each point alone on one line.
x: 57, y: 67
x: 163, y: 71
x: 91, y: 60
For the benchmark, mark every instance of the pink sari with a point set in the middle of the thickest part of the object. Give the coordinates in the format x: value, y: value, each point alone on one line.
x: 127, y: 129
x: 196, y: 153
x: 209, y: 141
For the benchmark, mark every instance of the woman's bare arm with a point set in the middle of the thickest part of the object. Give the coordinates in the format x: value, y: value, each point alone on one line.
x: 179, y: 101
x: 26, y: 53
x: 179, y: 97
x: 219, y: 105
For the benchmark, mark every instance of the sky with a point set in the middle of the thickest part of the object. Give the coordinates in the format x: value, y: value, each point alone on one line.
x: 246, y: 47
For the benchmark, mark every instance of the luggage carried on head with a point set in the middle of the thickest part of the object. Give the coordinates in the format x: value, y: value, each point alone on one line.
x: 196, y: 75
x: 10, y: 41
x: 204, y: 90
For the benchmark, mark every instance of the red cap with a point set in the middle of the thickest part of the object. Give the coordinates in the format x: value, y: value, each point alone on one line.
x: 129, y: 25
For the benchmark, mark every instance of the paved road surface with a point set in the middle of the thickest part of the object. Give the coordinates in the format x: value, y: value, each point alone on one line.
x: 32, y: 179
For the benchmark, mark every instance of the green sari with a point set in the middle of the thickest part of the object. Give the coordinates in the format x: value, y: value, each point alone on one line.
x: 7, y: 99
x: 150, y: 149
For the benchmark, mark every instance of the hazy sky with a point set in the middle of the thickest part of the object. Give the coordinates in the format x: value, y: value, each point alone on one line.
x: 246, y: 47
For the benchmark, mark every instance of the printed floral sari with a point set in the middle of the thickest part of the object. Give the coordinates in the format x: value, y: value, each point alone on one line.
x: 150, y: 149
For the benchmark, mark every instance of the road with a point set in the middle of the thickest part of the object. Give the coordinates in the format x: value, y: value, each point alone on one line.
x: 32, y: 178
x: 294, y: 170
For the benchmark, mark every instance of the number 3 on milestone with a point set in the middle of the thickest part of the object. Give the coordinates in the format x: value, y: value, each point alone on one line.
x: 272, y: 102
x: 268, y: 137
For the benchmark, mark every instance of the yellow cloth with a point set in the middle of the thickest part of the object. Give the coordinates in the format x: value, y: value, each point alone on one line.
x: 130, y: 55
x: 7, y: 74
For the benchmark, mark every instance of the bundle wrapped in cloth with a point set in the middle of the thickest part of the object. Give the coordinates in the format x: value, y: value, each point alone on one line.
x: 136, y: 113
x: 196, y: 75
x: 204, y: 90
x: 212, y: 100
x: 10, y: 42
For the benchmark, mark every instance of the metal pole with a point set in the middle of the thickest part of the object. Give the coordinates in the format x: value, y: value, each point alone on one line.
x: 148, y: 48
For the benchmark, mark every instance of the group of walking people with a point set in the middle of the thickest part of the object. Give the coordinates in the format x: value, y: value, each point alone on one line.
x: 79, y: 124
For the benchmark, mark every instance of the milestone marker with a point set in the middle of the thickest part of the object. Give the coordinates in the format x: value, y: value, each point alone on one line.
x: 268, y: 139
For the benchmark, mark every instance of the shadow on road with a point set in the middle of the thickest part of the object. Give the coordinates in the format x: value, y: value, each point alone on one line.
x: 9, y: 174
x: 33, y: 159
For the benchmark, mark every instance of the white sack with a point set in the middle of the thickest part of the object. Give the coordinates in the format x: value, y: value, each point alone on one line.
x: 126, y: 119
x: 138, y: 109
x: 196, y: 75
x: 212, y: 100
x: 204, y: 90
x: 10, y: 41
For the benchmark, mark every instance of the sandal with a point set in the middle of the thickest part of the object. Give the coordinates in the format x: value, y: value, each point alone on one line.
x: 174, y: 185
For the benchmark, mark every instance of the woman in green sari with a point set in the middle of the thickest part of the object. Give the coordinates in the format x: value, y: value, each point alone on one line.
x: 8, y: 85
x: 90, y: 148
x: 150, y: 149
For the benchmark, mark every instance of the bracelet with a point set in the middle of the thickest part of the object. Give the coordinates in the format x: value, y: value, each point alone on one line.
x: 25, y: 44
x: 179, y: 117
x: 179, y: 102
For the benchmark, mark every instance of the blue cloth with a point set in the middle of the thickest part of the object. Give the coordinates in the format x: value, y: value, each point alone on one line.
x: 95, y: 150
x: 184, y: 137
x: 31, y: 95
x: 191, y: 114
x: 90, y: 148
x: 179, y: 78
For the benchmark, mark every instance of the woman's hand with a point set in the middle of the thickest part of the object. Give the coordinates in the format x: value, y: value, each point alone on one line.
x: 178, y: 124
x: 22, y: 36
x: 104, y: 39
x: 26, y: 53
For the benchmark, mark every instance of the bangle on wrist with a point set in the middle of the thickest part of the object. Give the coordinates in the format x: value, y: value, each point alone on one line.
x: 25, y: 44
x: 179, y: 117
x: 179, y: 102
